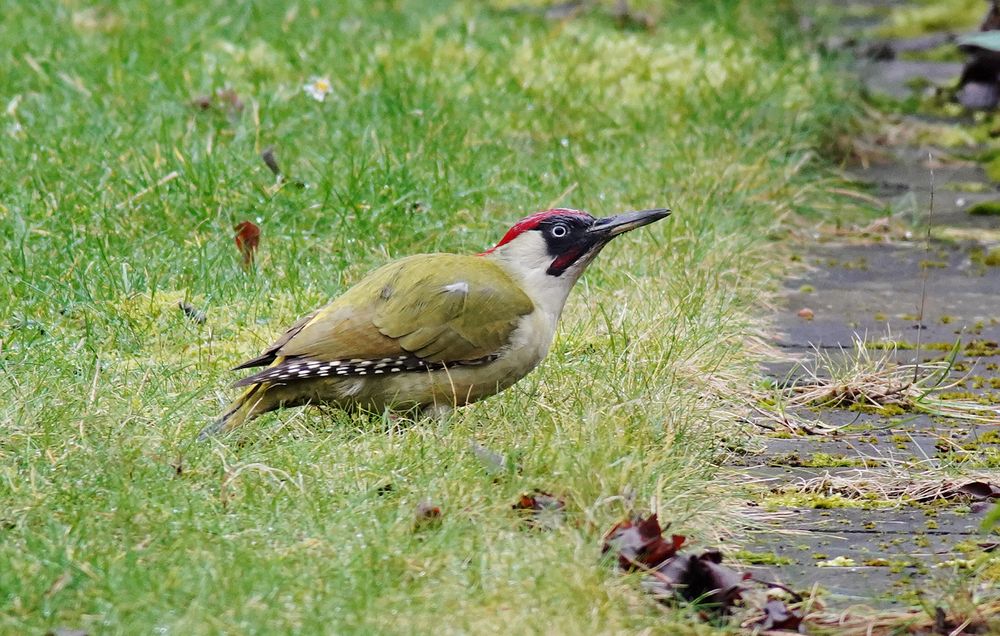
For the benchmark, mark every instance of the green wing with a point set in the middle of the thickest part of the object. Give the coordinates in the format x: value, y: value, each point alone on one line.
x: 438, y: 307
x: 462, y: 308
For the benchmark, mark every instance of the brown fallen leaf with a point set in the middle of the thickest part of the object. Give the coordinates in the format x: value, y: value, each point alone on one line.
x: 701, y: 578
x: 778, y: 616
x: 427, y: 514
x: 980, y: 490
x: 541, y: 509
x: 192, y: 312
x: 271, y: 161
x: 223, y: 99
x: 695, y: 578
x: 247, y: 240
x: 806, y: 314
x: 639, y: 543
x: 628, y: 18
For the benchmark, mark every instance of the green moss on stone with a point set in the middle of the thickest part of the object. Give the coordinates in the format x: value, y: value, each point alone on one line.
x: 988, y: 208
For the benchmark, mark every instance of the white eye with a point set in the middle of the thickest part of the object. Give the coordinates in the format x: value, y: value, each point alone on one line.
x: 560, y: 230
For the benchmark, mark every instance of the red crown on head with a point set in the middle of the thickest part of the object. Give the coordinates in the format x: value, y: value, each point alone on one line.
x: 529, y: 223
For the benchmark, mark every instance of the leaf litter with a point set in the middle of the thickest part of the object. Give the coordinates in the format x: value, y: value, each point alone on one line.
x: 426, y: 515
x: 697, y: 578
x: 247, y: 239
x: 541, y: 510
x: 762, y: 607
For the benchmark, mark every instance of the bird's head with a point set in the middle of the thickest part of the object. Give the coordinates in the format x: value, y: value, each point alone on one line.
x: 550, y: 249
x: 562, y: 241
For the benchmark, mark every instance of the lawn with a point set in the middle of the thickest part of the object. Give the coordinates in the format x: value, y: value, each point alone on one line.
x: 131, y: 141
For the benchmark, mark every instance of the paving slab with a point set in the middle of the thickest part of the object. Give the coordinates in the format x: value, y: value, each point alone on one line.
x: 867, y: 292
x: 876, y: 290
x: 891, y: 552
x: 901, y: 79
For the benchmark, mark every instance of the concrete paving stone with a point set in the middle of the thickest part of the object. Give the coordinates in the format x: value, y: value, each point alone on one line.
x: 875, y: 289
x: 893, y: 550
x: 920, y: 42
x: 898, y: 78
x: 890, y: 447
x: 916, y: 177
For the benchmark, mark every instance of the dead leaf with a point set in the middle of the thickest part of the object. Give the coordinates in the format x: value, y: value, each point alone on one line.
x: 192, y: 312
x: 695, y: 578
x: 778, y: 616
x: 66, y: 631
x: 225, y: 100
x: 639, y: 542
x: 541, y: 509
x: 271, y: 161
x: 698, y: 578
x: 980, y: 490
x: 247, y: 240
x: 427, y: 515
x: 806, y: 314
x: 628, y: 18
x: 713, y: 582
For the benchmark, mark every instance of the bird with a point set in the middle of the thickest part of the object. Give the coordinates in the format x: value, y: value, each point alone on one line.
x: 432, y: 332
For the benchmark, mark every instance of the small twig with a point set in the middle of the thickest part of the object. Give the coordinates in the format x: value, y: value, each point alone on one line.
x: 141, y: 193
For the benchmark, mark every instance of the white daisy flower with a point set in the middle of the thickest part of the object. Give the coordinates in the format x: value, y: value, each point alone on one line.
x: 318, y: 88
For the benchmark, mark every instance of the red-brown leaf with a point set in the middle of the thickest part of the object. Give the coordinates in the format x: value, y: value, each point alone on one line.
x: 980, y: 490
x: 639, y: 542
x: 778, y: 616
x: 427, y: 514
x: 247, y: 240
x: 713, y: 582
x: 541, y: 509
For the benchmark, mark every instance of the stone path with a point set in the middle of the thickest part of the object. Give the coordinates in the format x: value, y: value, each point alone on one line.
x: 897, y: 548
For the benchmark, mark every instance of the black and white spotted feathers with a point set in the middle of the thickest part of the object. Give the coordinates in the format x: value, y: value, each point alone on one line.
x: 292, y: 369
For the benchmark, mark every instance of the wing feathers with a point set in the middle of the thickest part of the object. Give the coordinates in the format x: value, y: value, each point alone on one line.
x: 433, y: 309
x: 288, y: 371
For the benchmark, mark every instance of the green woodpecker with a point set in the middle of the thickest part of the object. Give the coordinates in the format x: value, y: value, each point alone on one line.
x: 433, y: 331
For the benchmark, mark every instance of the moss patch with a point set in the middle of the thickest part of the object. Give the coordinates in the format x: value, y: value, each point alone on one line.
x: 761, y: 558
x: 988, y: 208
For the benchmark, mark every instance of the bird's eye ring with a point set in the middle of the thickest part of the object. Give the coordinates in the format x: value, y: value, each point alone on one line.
x: 560, y: 230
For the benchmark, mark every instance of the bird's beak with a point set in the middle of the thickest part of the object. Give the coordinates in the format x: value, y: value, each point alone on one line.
x: 611, y: 226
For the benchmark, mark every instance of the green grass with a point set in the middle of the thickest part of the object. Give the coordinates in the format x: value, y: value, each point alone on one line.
x: 924, y: 16
x: 446, y: 123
